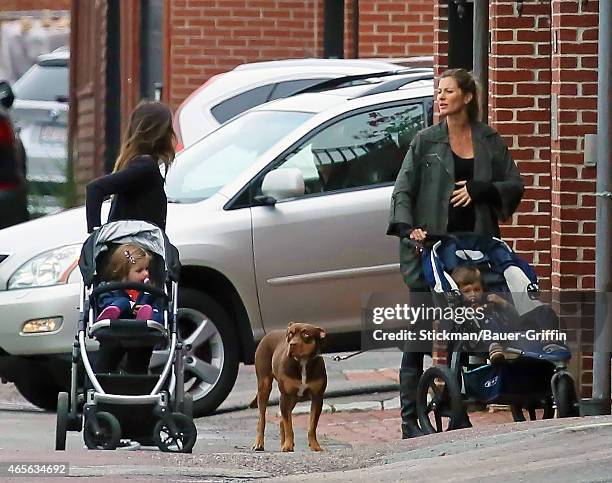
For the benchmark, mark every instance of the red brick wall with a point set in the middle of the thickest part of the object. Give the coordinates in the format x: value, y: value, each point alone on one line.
x: 392, y: 28
x: 26, y: 5
x: 206, y: 38
x: 519, y: 100
x: 574, y: 83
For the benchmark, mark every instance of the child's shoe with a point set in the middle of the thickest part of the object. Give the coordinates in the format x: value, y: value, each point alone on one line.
x: 111, y: 312
x: 496, y: 353
x: 144, y: 313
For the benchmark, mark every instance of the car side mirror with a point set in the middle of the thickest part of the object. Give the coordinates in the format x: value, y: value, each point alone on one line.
x: 7, y: 97
x: 281, y: 184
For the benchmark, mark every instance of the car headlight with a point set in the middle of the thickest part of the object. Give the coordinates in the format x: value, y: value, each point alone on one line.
x: 49, y: 268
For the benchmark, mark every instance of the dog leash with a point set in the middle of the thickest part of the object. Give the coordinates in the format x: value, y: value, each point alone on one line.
x: 342, y: 358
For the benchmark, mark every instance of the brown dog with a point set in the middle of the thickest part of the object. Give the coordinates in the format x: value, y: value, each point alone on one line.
x: 292, y: 358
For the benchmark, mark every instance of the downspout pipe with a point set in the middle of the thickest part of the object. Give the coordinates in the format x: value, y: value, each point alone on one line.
x: 603, y: 252
x: 480, y: 52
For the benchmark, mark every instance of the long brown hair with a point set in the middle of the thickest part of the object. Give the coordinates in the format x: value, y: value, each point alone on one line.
x: 149, y: 131
x: 468, y: 85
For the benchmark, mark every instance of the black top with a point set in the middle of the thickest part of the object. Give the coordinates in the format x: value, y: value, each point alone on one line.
x: 462, y: 218
x: 139, y: 194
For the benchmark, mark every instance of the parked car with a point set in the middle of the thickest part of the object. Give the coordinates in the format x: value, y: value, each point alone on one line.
x: 13, y: 190
x: 226, y: 95
x: 41, y: 113
x: 278, y: 215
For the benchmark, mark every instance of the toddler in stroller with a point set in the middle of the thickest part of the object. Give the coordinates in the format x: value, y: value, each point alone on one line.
x: 500, y: 313
x: 535, y: 377
x: 129, y: 263
x: 163, y: 414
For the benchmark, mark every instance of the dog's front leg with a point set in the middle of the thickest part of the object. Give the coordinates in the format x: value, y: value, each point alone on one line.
x: 263, y: 394
x: 316, y: 406
x: 287, y: 403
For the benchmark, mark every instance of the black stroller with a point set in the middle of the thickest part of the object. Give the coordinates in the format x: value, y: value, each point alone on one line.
x: 534, y: 379
x: 151, y: 409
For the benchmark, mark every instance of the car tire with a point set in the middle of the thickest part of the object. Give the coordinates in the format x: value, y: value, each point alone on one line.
x: 36, y: 385
x: 216, y: 354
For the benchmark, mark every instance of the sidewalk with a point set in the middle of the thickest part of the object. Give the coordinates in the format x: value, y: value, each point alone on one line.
x: 374, y: 418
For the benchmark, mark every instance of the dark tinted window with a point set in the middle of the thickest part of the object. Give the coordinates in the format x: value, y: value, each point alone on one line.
x: 288, y: 88
x: 233, y: 106
x: 362, y: 150
x: 43, y: 83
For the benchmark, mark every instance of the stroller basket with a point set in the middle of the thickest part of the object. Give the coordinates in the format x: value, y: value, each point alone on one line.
x: 509, y: 383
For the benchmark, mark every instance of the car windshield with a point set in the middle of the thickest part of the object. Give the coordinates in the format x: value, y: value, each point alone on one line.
x: 204, y: 168
x: 43, y: 83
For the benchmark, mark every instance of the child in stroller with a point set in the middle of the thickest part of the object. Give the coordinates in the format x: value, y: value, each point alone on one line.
x: 537, y: 375
x: 129, y: 263
x: 499, y: 311
x: 146, y: 408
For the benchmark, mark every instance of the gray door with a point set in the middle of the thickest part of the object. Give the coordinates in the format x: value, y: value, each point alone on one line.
x: 318, y: 255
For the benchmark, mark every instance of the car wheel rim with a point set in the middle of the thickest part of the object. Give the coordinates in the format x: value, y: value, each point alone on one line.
x: 203, y: 354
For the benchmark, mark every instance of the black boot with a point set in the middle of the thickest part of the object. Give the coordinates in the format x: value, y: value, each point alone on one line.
x: 409, y: 379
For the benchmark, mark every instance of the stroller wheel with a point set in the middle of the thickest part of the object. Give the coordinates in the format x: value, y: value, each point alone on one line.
x: 546, y: 411
x: 61, y: 425
x: 175, y: 433
x: 109, y: 434
x: 565, y: 397
x: 439, y: 397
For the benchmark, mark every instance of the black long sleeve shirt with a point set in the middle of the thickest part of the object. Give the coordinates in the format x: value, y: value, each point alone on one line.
x: 462, y: 218
x: 139, y: 194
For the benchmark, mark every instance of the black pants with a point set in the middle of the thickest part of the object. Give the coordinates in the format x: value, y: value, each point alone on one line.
x: 111, y: 353
x: 412, y: 358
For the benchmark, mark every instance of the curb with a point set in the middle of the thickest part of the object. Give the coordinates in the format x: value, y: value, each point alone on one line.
x: 354, y: 391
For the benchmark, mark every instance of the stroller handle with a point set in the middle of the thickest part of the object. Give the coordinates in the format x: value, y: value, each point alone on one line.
x: 142, y: 287
x: 430, y: 240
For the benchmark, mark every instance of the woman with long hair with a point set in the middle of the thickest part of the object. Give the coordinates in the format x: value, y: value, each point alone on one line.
x: 136, y: 181
x: 457, y: 176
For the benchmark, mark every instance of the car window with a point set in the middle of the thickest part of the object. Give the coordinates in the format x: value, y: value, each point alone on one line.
x: 233, y: 106
x: 205, y: 167
x: 361, y: 150
x: 43, y: 83
x: 288, y: 88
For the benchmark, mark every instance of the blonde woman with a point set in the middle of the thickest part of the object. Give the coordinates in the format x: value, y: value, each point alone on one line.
x: 136, y: 181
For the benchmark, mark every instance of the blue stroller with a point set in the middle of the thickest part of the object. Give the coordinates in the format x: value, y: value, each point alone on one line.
x: 151, y: 409
x: 534, y: 378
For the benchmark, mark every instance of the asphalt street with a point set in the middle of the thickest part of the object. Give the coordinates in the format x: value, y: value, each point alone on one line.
x: 577, y: 449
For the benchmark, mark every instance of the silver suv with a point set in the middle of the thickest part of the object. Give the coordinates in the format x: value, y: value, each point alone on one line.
x: 280, y: 214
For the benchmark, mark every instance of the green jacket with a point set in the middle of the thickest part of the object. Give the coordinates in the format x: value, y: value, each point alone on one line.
x: 426, y: 180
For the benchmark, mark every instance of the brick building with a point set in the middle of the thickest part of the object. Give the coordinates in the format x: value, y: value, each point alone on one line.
x: 543, y: 101
x: 206, y: 37
x: 542, y: 89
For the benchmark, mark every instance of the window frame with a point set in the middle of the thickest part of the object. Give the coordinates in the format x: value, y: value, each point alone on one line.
x: 245, y: 197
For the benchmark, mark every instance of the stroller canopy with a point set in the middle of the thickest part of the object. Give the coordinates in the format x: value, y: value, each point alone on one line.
x: 148, y: 236
x: 445, y: 256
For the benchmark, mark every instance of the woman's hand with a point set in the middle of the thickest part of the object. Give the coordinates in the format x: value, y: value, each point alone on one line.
x: 460, y: 196
x: 418, y: 234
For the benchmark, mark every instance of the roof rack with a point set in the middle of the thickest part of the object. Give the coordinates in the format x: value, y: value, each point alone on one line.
x: 393, y: 85
x: 340, y: 81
